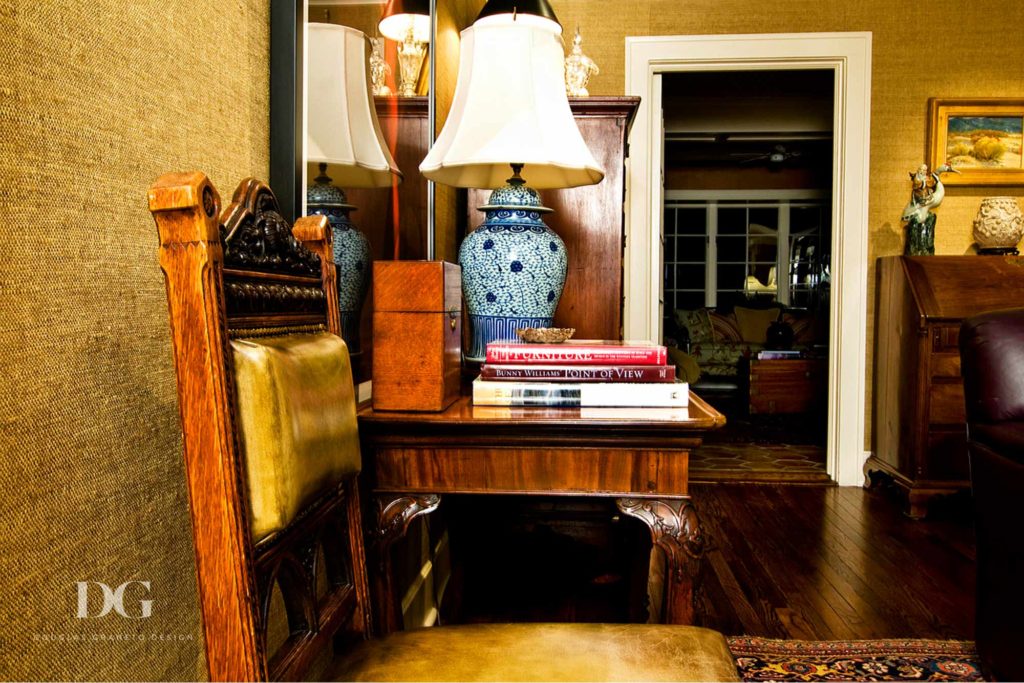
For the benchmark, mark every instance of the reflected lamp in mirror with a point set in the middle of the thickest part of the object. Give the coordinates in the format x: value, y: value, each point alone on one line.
x: 344, y: 144
x: 407, y: 22
x: 510, y: 112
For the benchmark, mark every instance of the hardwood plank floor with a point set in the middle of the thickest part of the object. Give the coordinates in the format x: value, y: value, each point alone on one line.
x: 833, y: 563
x: 785, y: 561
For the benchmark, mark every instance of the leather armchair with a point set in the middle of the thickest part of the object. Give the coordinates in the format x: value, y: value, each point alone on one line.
x: 992, y: 365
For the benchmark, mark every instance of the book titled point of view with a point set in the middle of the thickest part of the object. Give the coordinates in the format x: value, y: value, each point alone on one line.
x: 583, y: 352
x: 578, y: 373
x: 644, y: 395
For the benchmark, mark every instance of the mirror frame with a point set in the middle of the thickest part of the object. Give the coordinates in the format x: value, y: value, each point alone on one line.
x: 287, y: 47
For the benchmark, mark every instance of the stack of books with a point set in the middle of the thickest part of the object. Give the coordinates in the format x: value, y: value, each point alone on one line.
x: 579, y: 374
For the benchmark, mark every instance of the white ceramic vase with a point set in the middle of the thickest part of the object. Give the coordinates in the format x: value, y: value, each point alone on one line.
x: 999, y: 224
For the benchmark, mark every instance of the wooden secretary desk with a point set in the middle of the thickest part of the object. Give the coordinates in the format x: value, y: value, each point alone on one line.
x: 920, y: 437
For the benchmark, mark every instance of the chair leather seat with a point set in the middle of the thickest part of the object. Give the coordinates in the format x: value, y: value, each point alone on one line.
x: 542, y: 652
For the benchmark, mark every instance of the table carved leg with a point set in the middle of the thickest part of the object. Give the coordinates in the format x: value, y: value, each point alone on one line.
x: 394, y: 514
x: 675, y: 530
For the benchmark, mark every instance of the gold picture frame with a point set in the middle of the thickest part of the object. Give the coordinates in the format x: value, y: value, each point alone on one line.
x: 980, y: 138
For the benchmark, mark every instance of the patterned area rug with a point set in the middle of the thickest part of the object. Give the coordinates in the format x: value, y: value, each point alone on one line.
x: 763, y: 659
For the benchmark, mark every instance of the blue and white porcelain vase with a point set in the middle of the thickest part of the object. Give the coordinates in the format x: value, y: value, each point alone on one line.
x: 351, y: 254
x: 513, y: 268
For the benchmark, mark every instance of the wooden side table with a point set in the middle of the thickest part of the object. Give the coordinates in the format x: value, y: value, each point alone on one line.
x: 637, y: 456
x: 787, y: 385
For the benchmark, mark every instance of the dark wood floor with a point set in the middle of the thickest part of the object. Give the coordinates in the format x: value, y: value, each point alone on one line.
x: 827, y: 563
x: 786, y: 561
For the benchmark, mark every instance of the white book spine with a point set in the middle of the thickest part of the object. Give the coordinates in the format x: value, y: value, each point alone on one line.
x: 584, y: 395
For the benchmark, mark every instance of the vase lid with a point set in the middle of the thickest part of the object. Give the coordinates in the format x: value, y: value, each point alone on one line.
x: 324, y: 193
x: 514, y: 197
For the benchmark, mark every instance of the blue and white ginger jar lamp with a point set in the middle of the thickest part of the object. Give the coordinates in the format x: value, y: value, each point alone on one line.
x: 513, y: 267
x: 351, y: 253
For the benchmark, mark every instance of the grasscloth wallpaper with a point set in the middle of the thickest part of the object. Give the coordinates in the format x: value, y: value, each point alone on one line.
x: 96, y: 100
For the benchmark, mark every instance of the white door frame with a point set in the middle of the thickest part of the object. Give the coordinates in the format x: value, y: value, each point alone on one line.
x: 848, y: 55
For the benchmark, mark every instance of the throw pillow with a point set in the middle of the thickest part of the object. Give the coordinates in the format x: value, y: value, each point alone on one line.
x: 696, y: 323
x: 724, y: 328
x: 686, y: 367
x: 803, y: 328
x: 754, y: 323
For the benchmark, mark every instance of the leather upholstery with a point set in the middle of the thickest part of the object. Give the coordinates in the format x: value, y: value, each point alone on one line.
x: 992, y: 356
x: 992, y: 365
x: 543, y: 652
x: 297, y: 420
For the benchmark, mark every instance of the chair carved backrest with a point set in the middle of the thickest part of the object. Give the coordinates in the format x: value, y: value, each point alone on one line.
x: 268, y: 417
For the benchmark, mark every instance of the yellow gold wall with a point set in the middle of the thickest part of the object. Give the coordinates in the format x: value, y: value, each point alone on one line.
x: 946, y: 48
x: 96, y: 100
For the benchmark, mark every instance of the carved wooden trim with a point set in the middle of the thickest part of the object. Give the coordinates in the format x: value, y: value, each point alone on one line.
x: 675, y: 529
x: 314, y: 232
x: 184, y: 206
x: 674, y: 526
x: 396, y: 511
x: 257, y: 237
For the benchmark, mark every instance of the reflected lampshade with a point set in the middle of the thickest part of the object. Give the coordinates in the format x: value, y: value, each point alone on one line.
x: 344, y: 145
x: 401, y: 15
x: 342, y: 127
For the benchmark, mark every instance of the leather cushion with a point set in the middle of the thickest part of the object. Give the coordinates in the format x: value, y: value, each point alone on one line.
x: 992, y: 364
x: 297, y: 420
x: 1006, y: 438
x: 543, y: 652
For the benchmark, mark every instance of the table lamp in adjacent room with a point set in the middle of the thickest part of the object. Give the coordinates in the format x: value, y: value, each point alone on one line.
x: 407, y: 22
x: 344, y: 144
x: 511, y: 116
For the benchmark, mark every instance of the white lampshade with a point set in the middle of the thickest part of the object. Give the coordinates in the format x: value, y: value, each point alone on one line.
x: 342, y: 127
x: 510, y: 107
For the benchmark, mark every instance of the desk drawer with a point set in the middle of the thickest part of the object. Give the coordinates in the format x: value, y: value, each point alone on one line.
x: 594, y: 471
x: 945, y: 365
x: 946, y: 403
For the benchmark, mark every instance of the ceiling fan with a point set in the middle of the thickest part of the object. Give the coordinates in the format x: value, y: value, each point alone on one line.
x: 777, y: 155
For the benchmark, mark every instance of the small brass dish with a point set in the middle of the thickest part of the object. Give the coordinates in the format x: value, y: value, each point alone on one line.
x: 545, y: 335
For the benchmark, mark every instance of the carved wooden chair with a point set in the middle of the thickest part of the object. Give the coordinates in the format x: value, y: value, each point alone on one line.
x: 272, y: 458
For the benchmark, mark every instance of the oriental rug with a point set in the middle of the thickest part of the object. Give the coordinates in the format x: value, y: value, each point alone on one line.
x: 764, y: 659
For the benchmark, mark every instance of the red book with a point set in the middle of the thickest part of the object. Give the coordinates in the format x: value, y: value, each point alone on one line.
x: 580, y: 373
x: 589, y: 352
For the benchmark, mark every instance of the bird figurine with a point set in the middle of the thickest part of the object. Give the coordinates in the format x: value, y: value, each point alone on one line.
x: 927, y: 192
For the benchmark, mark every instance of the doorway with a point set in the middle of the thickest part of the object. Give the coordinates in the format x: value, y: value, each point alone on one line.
x: 746, y: 263
x: 848, y: 56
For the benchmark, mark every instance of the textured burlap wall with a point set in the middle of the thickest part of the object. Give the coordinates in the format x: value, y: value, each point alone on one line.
x: 96, y: 100
x: 945, y: 48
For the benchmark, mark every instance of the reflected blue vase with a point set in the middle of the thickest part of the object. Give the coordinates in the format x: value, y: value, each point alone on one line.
x: 351, y: 254
x: 513, y: 268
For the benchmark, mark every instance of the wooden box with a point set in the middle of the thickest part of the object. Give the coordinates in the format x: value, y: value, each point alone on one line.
x: 417, y: 334
x: 789, y: 385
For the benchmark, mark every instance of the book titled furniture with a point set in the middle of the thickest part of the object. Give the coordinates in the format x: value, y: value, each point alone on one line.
x: 920, y: 436
x: 636, y: 457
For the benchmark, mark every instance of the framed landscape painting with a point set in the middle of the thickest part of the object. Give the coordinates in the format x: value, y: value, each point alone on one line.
x: 980, y: 138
